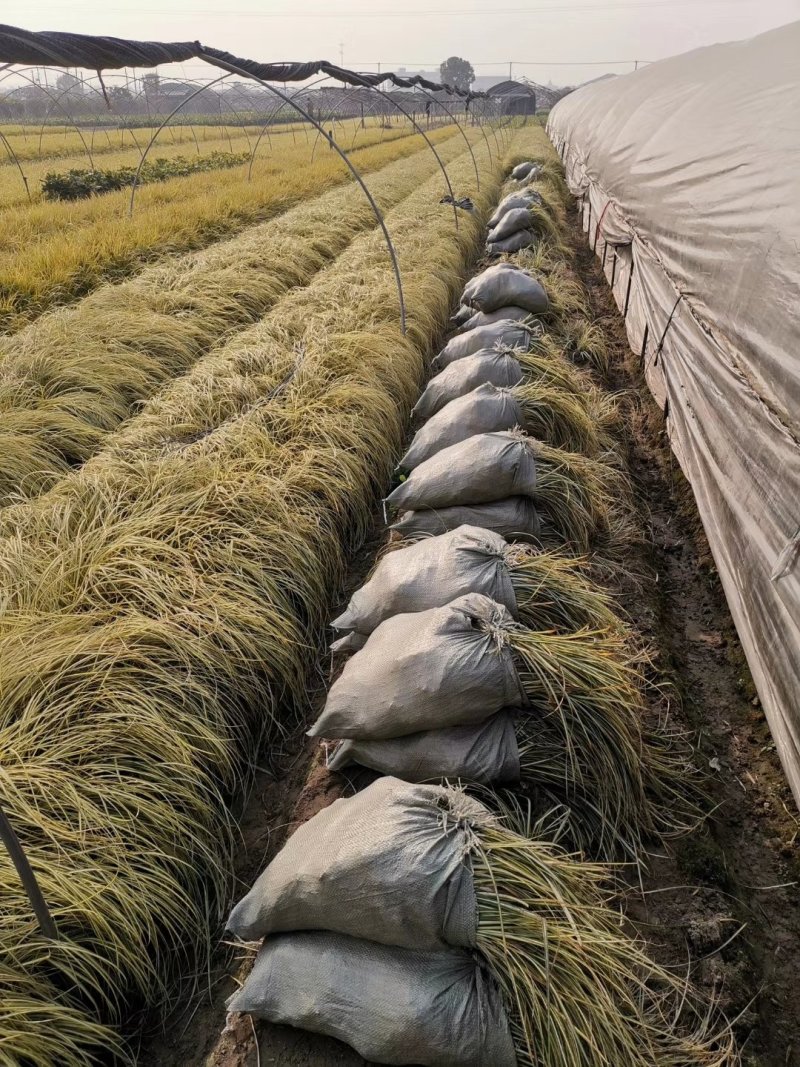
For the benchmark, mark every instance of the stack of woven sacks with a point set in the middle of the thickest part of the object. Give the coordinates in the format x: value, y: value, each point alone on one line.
x: 511, y: 226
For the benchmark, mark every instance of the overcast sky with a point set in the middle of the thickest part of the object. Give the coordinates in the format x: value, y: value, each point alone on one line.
x: 566, y: 41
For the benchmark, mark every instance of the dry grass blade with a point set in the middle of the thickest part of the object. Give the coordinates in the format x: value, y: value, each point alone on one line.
x: 553, y: 592
x: 581, y: 993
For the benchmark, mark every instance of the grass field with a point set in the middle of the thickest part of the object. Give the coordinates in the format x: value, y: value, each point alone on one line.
x: 69, y: 250
x: 169, y: 595
x: 68, y: 380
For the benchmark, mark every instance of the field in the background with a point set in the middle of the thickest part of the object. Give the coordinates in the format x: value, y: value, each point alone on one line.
x: 69, y: 248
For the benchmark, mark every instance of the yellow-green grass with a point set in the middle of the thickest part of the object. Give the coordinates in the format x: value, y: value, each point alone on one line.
x: 165, y: 603
x: 13, y: 192
x: 52, y: 252
x: 70, y: 378
x: 65, y: 143
x: 61, y: 142
x: 580, y: 991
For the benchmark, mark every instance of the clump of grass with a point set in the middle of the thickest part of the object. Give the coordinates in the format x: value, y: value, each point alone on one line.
x: 553, y: 592
x: 584, y: 498
x: 587, y: 746
x: 37, y: 1027
x: 560, y: 418
x: 580, y: 992
x: 546, y: 363
x: 586, y: 731
x: 565, y: 293
x: 586, y: 342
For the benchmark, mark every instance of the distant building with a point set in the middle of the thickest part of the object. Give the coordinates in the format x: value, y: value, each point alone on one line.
x: 429, y: 75
x: 516, y: 98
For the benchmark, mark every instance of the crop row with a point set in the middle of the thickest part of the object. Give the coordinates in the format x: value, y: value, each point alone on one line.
x: 69, y: 379
x: 159, y: 610
x: 69, y: 250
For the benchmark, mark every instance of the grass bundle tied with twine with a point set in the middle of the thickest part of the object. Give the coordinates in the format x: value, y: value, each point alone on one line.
x: 553, y: 592
x: 562, y: 419
x: 585, y: 744
x: 579, y: 991
x: 582, y: 499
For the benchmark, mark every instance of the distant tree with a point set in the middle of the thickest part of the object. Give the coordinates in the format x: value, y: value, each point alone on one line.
x: 457, y: 72
x: 119, y: 96
x: 69, y: 85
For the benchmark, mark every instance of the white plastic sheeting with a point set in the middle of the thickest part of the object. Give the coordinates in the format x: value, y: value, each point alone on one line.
x: 689, y: 176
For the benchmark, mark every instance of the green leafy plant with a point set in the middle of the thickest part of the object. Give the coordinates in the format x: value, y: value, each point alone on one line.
x: 79, y: 183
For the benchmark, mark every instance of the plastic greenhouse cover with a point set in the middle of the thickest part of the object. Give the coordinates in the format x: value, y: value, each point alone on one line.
x: 688, y: 170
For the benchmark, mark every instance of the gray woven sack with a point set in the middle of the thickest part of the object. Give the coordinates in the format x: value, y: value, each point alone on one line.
x: 505, y: 285
x: 464, y: 312
x: 487, y: 318
x: 392, y: 1005
x: 521, y: 239
x: 448, y: 666
x: 513, y: 221
x: 429, y: 574
x: 507, y: 333
x: 515, y: 519
x: 351, y: 642
x: 484, y: 410
x: 489, y: 366
x: 532, y: 176
x: 477, y: 280
x: 522, y: 198
x: 486, y: 753
x: 389, y: 864
x: 523, y: 170
x: 486, y: 467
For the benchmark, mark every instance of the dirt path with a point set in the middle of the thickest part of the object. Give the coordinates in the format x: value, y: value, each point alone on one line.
x: 727, y: 896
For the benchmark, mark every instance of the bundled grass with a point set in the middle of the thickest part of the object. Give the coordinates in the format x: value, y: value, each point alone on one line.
x: 546, y: 364
x: 160, y: 604
x: 587, y: 747
x: 560, y: 418
x: 584, y: 499
x: 586, y: 737
x: 69, y: 380
x: 581, y: 993
x: 586, y: 342
x: 553, y: 592
x: 545, y: 225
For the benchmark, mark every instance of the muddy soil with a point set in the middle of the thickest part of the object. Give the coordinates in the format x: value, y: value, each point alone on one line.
x: 726, y: 897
